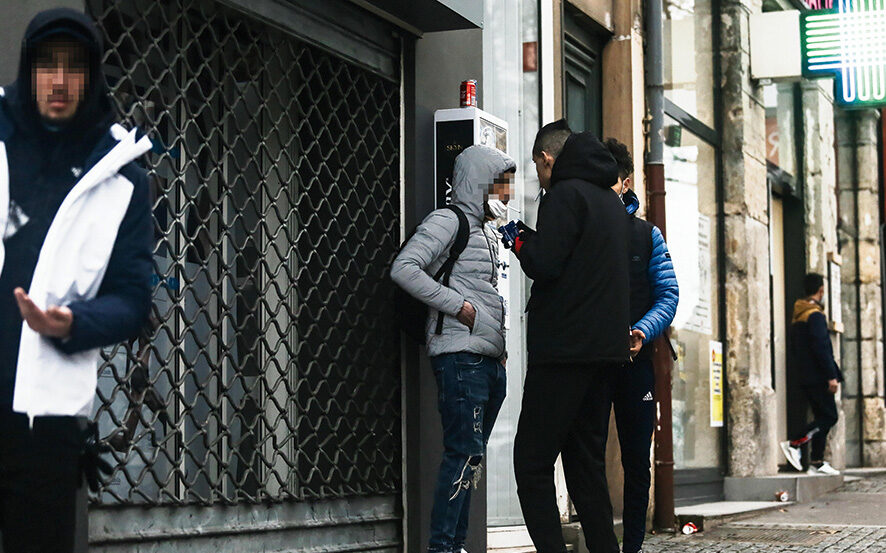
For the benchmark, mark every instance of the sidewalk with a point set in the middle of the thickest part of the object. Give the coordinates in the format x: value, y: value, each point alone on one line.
x: 853, y: 519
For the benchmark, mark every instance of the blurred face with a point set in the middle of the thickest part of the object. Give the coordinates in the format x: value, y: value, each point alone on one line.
x: 59, y: 78
x: 544, y: 165
x: 502, y: 187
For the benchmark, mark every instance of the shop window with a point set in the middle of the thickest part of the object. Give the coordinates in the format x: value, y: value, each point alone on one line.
x: 691, y: 206
x: 688, y: 57
x: 781, y: 151
x: 582, y: 73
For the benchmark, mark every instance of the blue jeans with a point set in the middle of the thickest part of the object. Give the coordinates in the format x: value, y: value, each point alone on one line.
x: 470, y: 391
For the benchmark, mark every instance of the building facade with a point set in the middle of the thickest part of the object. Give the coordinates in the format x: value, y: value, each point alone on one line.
x: 765, y: 181
x: 273, y: 402
x: 782, y: 166
x: 265, y: 405
x: 276, y: 172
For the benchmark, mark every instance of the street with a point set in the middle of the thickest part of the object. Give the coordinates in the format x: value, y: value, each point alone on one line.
x: 852, y: 519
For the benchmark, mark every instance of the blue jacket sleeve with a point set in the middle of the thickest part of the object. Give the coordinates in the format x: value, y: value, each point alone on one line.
x: 820, y: 344
x: 665, y: 292
x: 123, y: 302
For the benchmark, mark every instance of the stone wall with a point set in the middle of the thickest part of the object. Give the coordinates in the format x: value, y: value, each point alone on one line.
x: 623, y: 111
x: 751, y: 426
x: 820, y: 199
x: 862, y: 343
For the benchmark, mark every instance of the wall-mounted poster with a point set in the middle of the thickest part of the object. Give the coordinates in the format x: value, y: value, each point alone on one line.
x: 716, y: 360
x: 835, y: 300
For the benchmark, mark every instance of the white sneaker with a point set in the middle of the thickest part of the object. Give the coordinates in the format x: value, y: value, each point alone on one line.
x: 792, y: 454
x: 825, y: 468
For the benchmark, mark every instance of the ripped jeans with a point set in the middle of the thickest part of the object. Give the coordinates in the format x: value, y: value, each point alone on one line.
x: 470, y: 392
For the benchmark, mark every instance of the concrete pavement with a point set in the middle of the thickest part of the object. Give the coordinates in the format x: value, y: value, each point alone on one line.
x: 850, y: 520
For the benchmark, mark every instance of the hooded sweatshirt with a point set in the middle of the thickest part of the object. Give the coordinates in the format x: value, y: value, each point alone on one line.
x: 812, y: 354
x: 579, y: 305
x: 45, y: 163
x: 474, y: 275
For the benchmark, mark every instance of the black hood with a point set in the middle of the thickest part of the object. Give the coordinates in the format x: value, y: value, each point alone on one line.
x: 584, y: 157
x: 96, y: 112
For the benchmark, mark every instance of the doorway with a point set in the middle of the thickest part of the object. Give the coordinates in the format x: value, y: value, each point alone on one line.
x: 779, y: 309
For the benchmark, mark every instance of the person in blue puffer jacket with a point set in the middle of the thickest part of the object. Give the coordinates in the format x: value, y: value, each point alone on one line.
x: 654, y: 295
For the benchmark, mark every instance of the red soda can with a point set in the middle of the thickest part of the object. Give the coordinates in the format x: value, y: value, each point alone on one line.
x: 469, y: 93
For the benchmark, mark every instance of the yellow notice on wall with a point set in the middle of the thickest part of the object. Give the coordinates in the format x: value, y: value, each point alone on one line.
x: 715, y: 356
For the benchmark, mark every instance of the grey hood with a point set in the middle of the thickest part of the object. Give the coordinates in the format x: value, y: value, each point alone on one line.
x: 475, y: 169
x: 475, y: 273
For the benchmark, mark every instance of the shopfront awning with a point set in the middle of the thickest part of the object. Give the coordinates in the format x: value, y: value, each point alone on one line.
x: 427, y: 16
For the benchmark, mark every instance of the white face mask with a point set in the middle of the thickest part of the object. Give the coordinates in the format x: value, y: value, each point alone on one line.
x: 497, y: 208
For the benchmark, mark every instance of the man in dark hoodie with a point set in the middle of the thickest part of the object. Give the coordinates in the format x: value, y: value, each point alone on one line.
x: 577, y: 336
x: 75, y: 265
x: 812, y: 356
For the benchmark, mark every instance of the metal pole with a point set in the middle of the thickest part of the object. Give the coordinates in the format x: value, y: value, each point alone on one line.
x: 655, y: 191
x: 654, y: 82
x: 856, y: 183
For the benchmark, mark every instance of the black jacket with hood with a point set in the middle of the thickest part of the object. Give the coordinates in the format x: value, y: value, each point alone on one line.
x: 811, y: 352
x: 44, y: 165
x: 579, y: 305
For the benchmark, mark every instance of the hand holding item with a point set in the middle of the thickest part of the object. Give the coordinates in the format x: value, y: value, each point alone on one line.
x: 55, y: 322
x: 509, y: 234
x: 466, y: 315
x: 637, y: 337
x: 525, y: 231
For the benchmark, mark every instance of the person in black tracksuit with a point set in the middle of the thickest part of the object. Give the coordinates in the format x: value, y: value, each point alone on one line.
x: 812, y: 356
x: 577, y: 338
x: 52, y: 135
x: 654, y: 296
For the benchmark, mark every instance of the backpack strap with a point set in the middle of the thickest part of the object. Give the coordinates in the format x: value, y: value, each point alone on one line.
x: 461, y: 242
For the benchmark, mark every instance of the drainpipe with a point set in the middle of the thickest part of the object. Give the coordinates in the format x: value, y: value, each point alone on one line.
x: 856, y: 181
x: 655, y: 191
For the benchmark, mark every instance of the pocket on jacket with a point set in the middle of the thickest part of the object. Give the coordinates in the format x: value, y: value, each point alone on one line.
x: 473, y: 328
x: 485, y: 326
x: 495, y: 318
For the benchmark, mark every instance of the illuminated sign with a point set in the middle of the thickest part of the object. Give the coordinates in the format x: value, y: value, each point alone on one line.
x: 849, y: 42
x: 818, y: 4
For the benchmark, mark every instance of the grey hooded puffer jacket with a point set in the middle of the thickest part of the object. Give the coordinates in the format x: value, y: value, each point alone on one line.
x: 474, y: 275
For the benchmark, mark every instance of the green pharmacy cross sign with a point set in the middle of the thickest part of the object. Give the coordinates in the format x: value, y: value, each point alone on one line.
x: 849, y: 42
